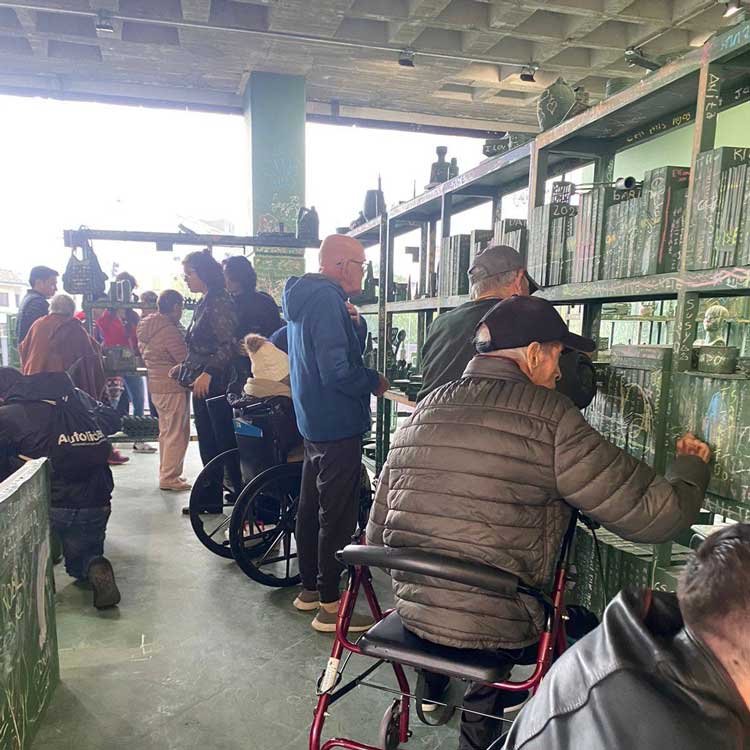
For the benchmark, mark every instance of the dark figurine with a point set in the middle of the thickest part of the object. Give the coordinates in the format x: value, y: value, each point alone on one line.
x: 453, y: 169
x: 440, y: 171
x: 308, y: 224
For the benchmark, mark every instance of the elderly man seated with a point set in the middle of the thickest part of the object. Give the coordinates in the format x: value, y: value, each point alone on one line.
x: 487, y: 470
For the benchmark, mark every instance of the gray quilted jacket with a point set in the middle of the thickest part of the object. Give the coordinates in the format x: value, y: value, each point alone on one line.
x: 486, y: 469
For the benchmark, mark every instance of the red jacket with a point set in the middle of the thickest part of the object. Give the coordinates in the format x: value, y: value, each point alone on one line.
x: 115, y: 332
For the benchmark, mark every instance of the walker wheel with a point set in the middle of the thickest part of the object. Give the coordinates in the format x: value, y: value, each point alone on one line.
x: 388, y: 736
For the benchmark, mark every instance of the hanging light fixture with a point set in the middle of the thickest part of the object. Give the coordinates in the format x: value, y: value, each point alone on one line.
x: 733, y: 7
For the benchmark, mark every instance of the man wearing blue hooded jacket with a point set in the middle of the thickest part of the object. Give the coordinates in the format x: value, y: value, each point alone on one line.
x: 331, y: 390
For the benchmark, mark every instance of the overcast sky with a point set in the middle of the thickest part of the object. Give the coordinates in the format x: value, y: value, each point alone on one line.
x: 68, y: 163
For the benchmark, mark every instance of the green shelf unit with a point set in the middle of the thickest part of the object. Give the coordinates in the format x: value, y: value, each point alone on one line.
x: 690, y: 91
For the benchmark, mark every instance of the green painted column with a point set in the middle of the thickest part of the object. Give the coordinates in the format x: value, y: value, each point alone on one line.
x: 275, y: 115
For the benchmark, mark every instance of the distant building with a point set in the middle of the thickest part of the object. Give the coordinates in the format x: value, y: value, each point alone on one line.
x: 12, y: 289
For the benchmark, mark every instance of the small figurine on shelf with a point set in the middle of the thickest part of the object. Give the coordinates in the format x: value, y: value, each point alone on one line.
x: 453, y: 169
x: 374, y: 202
x: 440, y: 171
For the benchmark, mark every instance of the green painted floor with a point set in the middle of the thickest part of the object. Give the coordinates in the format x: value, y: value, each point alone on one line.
x: 197, y: 655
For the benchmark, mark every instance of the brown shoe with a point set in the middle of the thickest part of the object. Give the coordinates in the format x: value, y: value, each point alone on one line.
x: 176, y: 487
x: 307, y: 601
x: 325, y: 621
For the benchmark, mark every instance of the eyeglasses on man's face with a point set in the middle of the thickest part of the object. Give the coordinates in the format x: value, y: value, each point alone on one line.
x: 360, y: 263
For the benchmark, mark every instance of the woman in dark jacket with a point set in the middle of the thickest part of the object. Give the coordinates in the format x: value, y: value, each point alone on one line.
x: 257, y: 312
x: 211, y: 346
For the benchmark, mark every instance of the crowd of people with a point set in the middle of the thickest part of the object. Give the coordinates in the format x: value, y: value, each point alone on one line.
x: 488, y: 469
x: 62, y: 367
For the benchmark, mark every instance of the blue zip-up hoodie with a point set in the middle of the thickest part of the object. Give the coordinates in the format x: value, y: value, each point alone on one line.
x: 330, y: 385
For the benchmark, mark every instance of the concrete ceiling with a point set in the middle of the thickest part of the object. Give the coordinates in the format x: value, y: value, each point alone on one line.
x: 201, y: 52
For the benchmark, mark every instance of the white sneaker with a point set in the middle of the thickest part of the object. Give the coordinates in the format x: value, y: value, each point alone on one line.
x: 140, y: 447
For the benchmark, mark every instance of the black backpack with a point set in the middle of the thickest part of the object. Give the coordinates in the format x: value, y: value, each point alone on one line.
x: 77, y: 444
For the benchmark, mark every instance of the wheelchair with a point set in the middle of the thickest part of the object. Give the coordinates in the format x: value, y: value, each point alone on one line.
x: 260, y: 480
x: 389, y: 641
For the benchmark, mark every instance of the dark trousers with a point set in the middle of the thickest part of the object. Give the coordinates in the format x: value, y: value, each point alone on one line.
x: 81, y: 531
x: 327, y: 514
x: 213, y: 423
x: 479, y: 732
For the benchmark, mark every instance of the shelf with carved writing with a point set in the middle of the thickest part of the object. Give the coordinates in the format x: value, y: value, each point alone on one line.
x: 731, y: 510
x: 730, y: 280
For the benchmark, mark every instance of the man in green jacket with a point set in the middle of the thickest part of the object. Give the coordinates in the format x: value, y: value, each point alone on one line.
x: 497, y: 273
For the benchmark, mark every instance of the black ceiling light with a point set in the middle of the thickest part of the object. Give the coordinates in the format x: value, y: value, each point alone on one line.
x: 732, y: 7
x: 406, y: 58
x: 104, y: 22
x: 528, y: 73
x: 636, y: 59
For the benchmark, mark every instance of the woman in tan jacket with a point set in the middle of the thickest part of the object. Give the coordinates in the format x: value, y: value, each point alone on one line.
x: 162, y: 346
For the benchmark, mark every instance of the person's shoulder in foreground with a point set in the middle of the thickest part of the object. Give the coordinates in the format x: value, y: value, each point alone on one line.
x: 662, y: 671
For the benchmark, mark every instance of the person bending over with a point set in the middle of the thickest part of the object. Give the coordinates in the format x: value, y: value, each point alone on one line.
x: 32, y: 426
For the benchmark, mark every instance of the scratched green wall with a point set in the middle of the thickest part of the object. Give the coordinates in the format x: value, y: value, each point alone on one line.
x: 275, y: 113
x: 675, y: 148
x: 29, y: 668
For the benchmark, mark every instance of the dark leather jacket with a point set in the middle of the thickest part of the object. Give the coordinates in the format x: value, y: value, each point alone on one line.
x: 211, y: 336
x: 640, y: 681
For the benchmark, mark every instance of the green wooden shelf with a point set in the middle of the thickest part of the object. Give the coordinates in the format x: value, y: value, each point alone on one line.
x: 734, y: 280
x: 730, y: 509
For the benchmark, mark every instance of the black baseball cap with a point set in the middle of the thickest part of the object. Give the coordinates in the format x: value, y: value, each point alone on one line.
x: 498, y: 259
x: 518, y: 321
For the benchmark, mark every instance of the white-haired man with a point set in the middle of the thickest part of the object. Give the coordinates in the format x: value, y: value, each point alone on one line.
x: 58, y: 342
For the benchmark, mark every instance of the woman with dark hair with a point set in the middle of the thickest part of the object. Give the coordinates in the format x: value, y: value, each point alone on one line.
x: 211, y: 342
x: 257, y: 312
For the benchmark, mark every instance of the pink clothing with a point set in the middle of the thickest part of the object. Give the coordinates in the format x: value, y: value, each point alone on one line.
x: 174, y: 434
x: 162, y: 347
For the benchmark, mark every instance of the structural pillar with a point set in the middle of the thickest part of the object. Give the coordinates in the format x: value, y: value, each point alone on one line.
x: 275, y: 109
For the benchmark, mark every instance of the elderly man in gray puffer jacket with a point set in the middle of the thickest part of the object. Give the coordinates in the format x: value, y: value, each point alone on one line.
x: 487, y: 470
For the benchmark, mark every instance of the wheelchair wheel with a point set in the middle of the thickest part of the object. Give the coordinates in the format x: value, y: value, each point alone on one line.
x: 388, y: 735
x: 262, y: 527
x: 211, y: 528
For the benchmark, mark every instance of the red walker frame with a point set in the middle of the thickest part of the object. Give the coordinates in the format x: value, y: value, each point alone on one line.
x: 551, y: 643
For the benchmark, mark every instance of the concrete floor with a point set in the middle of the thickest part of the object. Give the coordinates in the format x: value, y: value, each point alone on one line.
x: 197, y: 655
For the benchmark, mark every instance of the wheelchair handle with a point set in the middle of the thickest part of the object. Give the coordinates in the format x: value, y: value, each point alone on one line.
x: 433, y: 565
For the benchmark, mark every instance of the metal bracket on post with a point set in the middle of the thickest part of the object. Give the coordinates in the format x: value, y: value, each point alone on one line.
x: 381, y: 418
x: 592, y: 321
